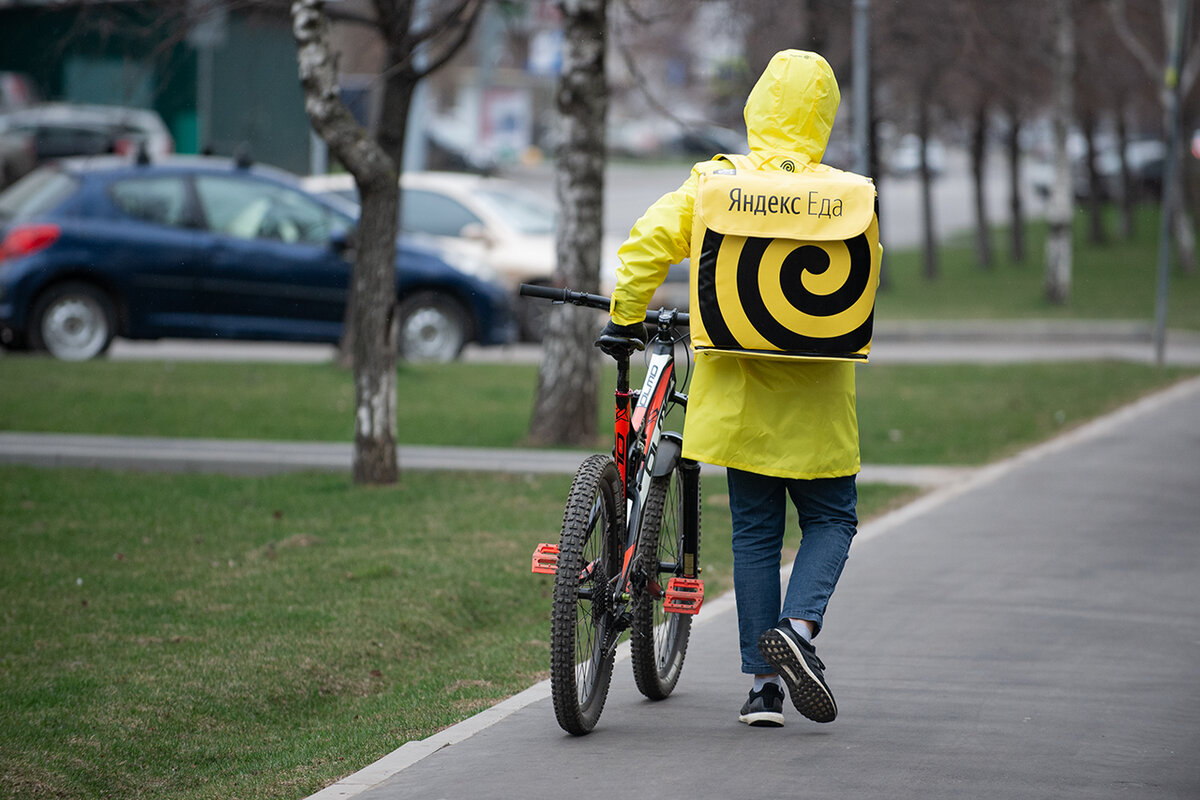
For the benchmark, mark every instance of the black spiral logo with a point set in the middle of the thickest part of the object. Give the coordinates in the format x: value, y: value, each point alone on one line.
x: 788, y: 165
x: 796, y: 297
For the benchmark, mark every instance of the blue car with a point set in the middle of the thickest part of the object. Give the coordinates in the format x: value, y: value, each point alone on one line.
x: 94, y: 248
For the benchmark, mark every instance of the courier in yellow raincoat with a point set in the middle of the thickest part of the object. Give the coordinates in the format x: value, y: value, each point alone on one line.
x: 780, y: 427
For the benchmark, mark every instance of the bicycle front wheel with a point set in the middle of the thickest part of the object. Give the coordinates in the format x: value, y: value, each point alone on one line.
x: 658, y: 639
x: 583, y: 627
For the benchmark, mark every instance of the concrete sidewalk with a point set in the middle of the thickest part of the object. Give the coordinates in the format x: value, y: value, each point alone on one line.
x: 895, y: 342
x: 1030, y: 631
x: 239, y: 457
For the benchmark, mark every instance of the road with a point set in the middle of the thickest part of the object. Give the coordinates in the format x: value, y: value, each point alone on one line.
x: 631, y: 187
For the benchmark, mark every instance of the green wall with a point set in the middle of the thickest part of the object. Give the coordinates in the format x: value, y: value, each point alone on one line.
x: 138, y: 54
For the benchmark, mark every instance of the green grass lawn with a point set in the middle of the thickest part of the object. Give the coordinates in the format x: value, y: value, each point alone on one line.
x: 948, y: 414
x: 201, y: 636
x: 1116, y: 280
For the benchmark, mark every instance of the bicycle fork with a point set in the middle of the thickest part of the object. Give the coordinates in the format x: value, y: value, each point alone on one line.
x: 685, y: 592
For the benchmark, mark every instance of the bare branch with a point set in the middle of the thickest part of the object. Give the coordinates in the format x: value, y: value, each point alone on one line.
x: 464, y: 19
x: 342, y: 15
x: 643, y: 85
x: 330, y: 117
x: 1116, y: 10
x: 462, y: 13
x: 637, y: 16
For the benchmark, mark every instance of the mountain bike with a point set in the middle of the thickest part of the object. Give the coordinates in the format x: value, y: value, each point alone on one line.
x: 627, y: 558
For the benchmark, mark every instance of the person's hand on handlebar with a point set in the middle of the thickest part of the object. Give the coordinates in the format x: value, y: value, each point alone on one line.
x: 619, y: 341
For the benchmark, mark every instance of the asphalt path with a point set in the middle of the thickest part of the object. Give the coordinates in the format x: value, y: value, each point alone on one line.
x: 1031, y: 632
x: 910, y: 342
x: 630, y: 187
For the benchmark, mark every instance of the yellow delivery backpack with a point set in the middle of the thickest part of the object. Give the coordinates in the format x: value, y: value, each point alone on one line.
x: 784, y: 265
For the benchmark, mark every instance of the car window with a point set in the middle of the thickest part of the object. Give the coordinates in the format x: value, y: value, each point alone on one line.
x: 59, y: 141
x: 526, y: 212
x: 257, y: 210
x: 161, y: 200
x: 432, y: 213
x: 36, y: 193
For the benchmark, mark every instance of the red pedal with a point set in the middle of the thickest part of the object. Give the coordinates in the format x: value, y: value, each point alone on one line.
x: 545, y: 558
x: 684, y: 595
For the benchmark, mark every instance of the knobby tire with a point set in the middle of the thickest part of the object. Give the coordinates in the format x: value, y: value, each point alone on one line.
x: 658, y: 640
x: 583, y: 625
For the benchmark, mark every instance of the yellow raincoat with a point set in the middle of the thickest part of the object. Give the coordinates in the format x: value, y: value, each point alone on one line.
x: 788, y: 419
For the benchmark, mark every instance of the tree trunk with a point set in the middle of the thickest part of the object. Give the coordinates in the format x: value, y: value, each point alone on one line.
x: 1096, y: 189
x: 565, y: 408
x: 1185, y: 231
x: 372, y: 290
x: 983, y: 234
x: 1127, y: 202
x: 1016, y: 204
x: 1175, y: 17
x: 1058, y: 242
x: 394, y: 107
x: 374, y: 299
x: 931, y: 251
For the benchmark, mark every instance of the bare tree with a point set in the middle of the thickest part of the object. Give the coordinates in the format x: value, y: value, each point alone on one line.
x: 375, y: 165
x: 1002, y: 75
x: 1107, y: 93
x: 923, y: 37
x: 1168, y: 80
x: 1103, y: 88
x: 1058, y: 242
x: 565, y: 407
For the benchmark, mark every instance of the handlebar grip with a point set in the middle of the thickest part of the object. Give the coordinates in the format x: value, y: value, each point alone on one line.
x: 566, y: 296
x: 547, y: 292
x: 590, y: 300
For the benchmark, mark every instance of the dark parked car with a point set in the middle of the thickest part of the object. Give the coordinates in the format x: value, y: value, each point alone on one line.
x: 205, y: 247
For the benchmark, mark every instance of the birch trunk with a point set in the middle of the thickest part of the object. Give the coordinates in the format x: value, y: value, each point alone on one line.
x: 1058, y: 243
x: 565, y: 407
x: 372, y: 289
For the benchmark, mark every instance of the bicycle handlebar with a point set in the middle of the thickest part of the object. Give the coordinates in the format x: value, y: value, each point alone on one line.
x: 590, y: 301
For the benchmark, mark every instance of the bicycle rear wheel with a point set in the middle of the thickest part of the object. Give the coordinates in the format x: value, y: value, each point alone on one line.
x: 658, y: 639
x: 583, y: 627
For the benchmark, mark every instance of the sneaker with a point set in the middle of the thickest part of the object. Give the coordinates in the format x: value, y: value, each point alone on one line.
x: 796, y: 661
x: 764, y: 708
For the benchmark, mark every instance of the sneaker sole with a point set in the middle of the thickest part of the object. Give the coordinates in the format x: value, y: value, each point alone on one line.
x: 808, y: 693
x: 763, y: 719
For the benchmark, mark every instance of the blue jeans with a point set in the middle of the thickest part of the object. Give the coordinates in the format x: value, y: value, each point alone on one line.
x: 827, y: 523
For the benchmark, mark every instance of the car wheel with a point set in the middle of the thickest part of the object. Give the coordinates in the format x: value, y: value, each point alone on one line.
x: 433, y: 327
x: 73, y: 322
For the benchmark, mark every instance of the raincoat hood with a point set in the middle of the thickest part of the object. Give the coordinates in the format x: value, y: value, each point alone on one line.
x: 791, y: 108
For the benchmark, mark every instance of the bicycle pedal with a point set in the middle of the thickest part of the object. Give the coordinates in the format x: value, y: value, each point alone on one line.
x: 684, y: 595
x: 545, y: 558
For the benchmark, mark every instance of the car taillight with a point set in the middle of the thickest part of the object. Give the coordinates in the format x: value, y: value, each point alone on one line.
x: 28, y: 239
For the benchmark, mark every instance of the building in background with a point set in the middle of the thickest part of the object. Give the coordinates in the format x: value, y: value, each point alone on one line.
x: 224, y: 77
x: 226, y: 85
